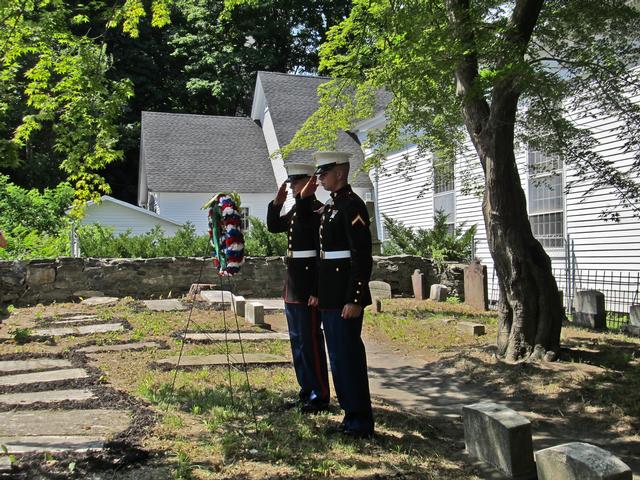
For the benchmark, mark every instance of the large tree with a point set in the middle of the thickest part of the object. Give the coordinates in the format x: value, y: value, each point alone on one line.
x: 493, y: 72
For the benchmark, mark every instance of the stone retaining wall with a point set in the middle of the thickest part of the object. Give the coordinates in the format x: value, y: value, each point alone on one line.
x: 43, y: 281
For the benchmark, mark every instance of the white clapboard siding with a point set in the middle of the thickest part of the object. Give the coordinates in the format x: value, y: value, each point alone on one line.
x: 182, y: 207
x: 122, y: 217
x: 399, y: 192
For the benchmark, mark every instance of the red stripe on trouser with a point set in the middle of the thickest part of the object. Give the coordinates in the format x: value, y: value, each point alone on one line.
x: 316, y: 353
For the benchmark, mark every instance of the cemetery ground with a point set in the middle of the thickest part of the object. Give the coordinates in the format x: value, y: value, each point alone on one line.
x: 425, y: 362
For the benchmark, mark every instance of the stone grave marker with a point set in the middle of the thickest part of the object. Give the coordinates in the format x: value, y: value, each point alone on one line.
x: 119, y: 347
x: 633, y: 328
x: 33, y: 364
x: 501, y: 437
x: 476, y: 293
x: 438, y: 293
x: 471, y: 328
x: 376, y: 305
x: 419, y: 285
x: 578, y: 461
x: 60, y: 430
x: 100, y: 301
x: 216, y: 296
x: 238, y: 304
x: 254, y: 313
x: 379, y: 289
x: 166, y: 305
x: 78, y: 330
x: 43, y: 377
x: 590, y: 310
x: 49, y: 396
x: 233, y: 336
x: 253, y: 359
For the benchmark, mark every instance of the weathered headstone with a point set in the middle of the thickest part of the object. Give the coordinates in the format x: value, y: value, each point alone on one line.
x: 239, y: 303
x: 191, y: 361
x: 78, y: 330
x: 589, y: 309
x: 234, y: 337
x: 580, y: 461
x: 254, y: 313
x: 418, y: 283
x: 42, y: 377
x: 100, y: 301
x: 438, y: 293
x: 48, y: 396
x: 633, y: 328
x: 166, y: 305
x: 33, y: 364
x: 379, y: 289
x: 119, y: 347
x: 501, y: 437
x: 376, y: 305
x: 216, y: 296
x: 476, y: 293
x: 471, y: 328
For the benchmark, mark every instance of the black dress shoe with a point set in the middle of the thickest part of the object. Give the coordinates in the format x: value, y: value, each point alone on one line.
x: 291, y: 405
x: 314, y: 407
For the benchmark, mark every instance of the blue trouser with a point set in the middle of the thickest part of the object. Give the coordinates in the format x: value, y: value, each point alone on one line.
x: 307, y: 347
x: 349, y: 369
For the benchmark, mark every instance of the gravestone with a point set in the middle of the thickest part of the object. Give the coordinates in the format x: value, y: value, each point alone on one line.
x: 418, y: 283
x: 100, y: 301
x: 239, y: 303
x: 471, y: 328
x: 42, y: 377
x: 634, y: 321
x: 195, y: 361
x: 579, y: 461
x: 165, y: 305
x: 48, y: 396
x: 438, y: 293
x: 376, y: 305
x: 476, y: 293
x: 379, y: 289
x: 590, y: 310
x: 501, y: 437
x: 254, y: 313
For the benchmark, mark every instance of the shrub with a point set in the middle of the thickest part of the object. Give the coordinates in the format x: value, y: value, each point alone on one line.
x: 438, y: 243
x: 259, y: 242
x: 100, y: 241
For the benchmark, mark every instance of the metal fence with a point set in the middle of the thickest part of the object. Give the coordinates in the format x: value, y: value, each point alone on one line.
x: 621, y: 289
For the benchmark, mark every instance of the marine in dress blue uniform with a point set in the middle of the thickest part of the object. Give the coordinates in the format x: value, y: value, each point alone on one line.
x: 344, y: 270
x: 305, y: 333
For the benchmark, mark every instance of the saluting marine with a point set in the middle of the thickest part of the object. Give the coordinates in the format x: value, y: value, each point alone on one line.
x: 300, y: 292
x: 344, y: 269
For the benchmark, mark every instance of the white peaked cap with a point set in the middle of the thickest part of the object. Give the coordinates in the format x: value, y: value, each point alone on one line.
x: 297, y: 170
x: 326, y: 159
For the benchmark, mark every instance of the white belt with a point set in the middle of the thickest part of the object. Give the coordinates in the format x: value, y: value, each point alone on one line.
x: 335, y: 255
x: 301, y: 253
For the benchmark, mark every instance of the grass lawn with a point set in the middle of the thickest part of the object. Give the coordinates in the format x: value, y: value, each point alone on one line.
x: 212, y: 426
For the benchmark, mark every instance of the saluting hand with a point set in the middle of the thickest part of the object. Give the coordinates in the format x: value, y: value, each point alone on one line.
x: 351, y: 310
x: 313, y: 301
x: 281, y: 196
x: 310, y: 188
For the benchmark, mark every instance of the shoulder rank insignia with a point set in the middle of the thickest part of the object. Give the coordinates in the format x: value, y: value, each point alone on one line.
x: 358, y: 219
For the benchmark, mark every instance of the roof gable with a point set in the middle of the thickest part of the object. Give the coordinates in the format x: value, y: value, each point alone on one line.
x: 203, y: 153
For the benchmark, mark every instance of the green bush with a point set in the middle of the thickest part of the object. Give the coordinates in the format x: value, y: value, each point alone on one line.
x: 437, y: 243
x: 101, y: 242
x: 259, y: 242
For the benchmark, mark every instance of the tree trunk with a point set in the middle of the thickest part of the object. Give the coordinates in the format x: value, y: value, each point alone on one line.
x: 530, y: 307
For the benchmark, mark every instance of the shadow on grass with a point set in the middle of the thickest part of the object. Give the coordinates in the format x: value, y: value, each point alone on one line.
x: 406, y: 445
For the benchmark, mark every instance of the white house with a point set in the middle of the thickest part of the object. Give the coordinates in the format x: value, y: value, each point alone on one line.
x: 123, y: 216
x: 185, y: 159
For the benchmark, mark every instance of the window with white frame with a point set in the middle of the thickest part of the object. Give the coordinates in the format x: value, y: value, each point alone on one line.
x: 244, y: 214
x: 546, y: 199
x: 444, y: 197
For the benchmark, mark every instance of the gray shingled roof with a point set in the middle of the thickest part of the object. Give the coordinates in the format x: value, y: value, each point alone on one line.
x: 202, y: 153
x: 291, y: 100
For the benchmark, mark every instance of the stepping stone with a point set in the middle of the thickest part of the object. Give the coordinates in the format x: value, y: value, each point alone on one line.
x: 120, y: 347
x: 79, y: 330
x: 233, y: 336
x: 215, y: 360
x: 57, y: 430
x: 43, y: 377
x: 167, y: 305
x: 88, y: 319
x: 33, y: 364
x: 50, y: 396
x: 100, y: 301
